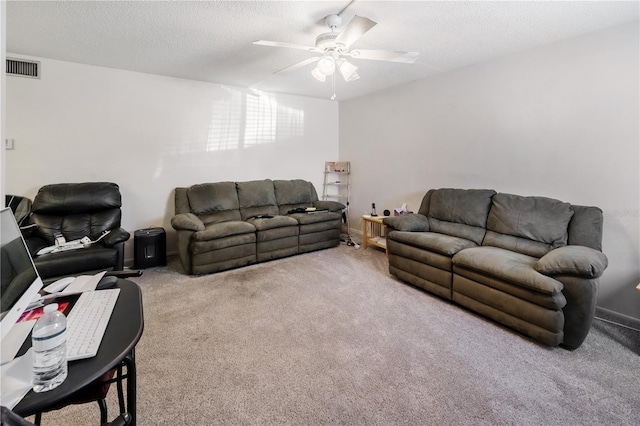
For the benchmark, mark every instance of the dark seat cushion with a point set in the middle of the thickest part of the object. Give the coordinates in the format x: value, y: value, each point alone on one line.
x: 309, y: 218
x: 509, y: 266
x: 96, y: 257
x: 263, y: 224
x: 432, y: 241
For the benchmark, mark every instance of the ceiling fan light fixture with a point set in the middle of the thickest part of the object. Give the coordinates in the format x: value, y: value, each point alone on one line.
x: 326, y: 65
x: 353, y: 77
x: 318, y: 75
x: 347, y: 69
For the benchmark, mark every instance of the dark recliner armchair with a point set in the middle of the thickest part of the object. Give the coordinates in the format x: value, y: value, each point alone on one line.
x: 77, y: 210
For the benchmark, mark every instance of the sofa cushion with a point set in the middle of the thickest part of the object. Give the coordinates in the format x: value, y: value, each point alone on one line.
x: 460, y: 212
x: 219, y: 230
x: 332, y: 206
x: 76, y: 210
x: 95, y: 258
x: 585, y: 228
x: 263, y: 224
x: 66, y: 198
x: 214, y: 202
x: 256, y: 197
x: 425, y: 203
x: 409, y: 222
x: 75, y: 226
x: 539, y: 219
x: 439, y: 243
x: 294, y: 193
x: 187, y: 221
x: 507, y: 265
x: 573, y: 260
x: 213, y: 197
x: 309, y: 218
x: 517, y: 244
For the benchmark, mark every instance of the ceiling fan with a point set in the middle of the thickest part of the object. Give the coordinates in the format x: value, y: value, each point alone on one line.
x: 335, y: 46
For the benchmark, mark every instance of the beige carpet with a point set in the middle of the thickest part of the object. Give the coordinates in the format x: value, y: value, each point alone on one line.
x: 330, y: 338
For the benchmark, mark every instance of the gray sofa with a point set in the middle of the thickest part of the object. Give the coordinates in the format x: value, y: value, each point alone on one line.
x: 219, y: 227
x: 529, y: 263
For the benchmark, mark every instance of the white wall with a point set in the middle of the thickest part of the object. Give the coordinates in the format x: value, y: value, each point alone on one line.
x: 150, y: 134
x: 560, y: 121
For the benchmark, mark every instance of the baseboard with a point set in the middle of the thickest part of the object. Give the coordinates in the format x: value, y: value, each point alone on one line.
x: 617, y: 318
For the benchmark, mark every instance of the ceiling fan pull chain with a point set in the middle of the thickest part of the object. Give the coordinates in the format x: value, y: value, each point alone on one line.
x: 333, y: 86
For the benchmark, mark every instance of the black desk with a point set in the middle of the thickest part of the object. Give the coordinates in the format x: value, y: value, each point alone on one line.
x: 123, y: 333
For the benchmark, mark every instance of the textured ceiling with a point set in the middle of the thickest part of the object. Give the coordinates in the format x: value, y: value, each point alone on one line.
x: 212, y: 41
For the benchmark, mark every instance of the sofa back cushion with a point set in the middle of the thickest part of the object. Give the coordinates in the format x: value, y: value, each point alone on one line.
x: 585, y: 228
x: 214, y: 202
x: 76, y: 210
x: 426, y: 201
x: 256, y: 197
x: 291, y: 194
x: 459, y: 212
x: 182, y: 201
x: 527, y: 225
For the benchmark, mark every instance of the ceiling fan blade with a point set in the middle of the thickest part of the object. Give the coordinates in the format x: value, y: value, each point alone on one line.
x: 288, y: 45
x: 298, y: 65
x: 384, y: 55
x: 354, y: 30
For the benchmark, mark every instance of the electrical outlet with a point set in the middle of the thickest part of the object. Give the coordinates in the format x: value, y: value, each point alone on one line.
x: 9, y: 143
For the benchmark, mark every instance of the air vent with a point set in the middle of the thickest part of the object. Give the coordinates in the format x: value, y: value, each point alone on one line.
x: 22, y: 68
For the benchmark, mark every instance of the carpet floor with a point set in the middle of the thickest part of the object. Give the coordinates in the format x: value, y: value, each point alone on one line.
x: 330, y: 338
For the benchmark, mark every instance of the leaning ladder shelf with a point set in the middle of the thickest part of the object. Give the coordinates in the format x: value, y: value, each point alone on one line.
x: 336, y: 186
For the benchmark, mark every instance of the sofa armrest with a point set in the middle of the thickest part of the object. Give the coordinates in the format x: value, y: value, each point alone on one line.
x: 332, y: 206
x: 414, y: 222
x: 116, y: 236
x: 573, y: 260
x: 187, y: 222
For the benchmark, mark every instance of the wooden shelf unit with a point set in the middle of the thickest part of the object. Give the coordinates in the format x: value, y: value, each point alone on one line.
x: 336, y: 185
x: 374, y: 232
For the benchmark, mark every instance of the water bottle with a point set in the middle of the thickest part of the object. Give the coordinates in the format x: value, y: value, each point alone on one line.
x: 49, y: 342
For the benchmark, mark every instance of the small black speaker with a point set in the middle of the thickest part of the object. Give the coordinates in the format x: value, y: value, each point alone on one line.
x: 150, y: 247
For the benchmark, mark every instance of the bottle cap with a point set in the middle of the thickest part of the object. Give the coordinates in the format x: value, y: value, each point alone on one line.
x: 51, y: 307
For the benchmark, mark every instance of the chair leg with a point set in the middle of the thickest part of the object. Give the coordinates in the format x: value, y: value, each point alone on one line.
x: 103, y: 411
x: 38, y: 419
x: 123, y: 408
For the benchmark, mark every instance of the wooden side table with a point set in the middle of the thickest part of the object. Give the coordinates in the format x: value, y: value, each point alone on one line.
x: 374, y: 232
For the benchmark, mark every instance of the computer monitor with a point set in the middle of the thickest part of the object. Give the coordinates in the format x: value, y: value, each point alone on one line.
x: 20, y: 279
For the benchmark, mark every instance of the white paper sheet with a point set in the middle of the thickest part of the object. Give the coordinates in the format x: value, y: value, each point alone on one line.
x: 16, y: 379
x: 80, y: 284
x: 84, y: 283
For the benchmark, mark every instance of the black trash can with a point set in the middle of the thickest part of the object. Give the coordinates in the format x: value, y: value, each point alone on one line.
x: 150, y: 247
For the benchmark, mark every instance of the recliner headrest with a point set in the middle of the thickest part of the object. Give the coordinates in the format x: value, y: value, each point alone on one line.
x: 68, y: 198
